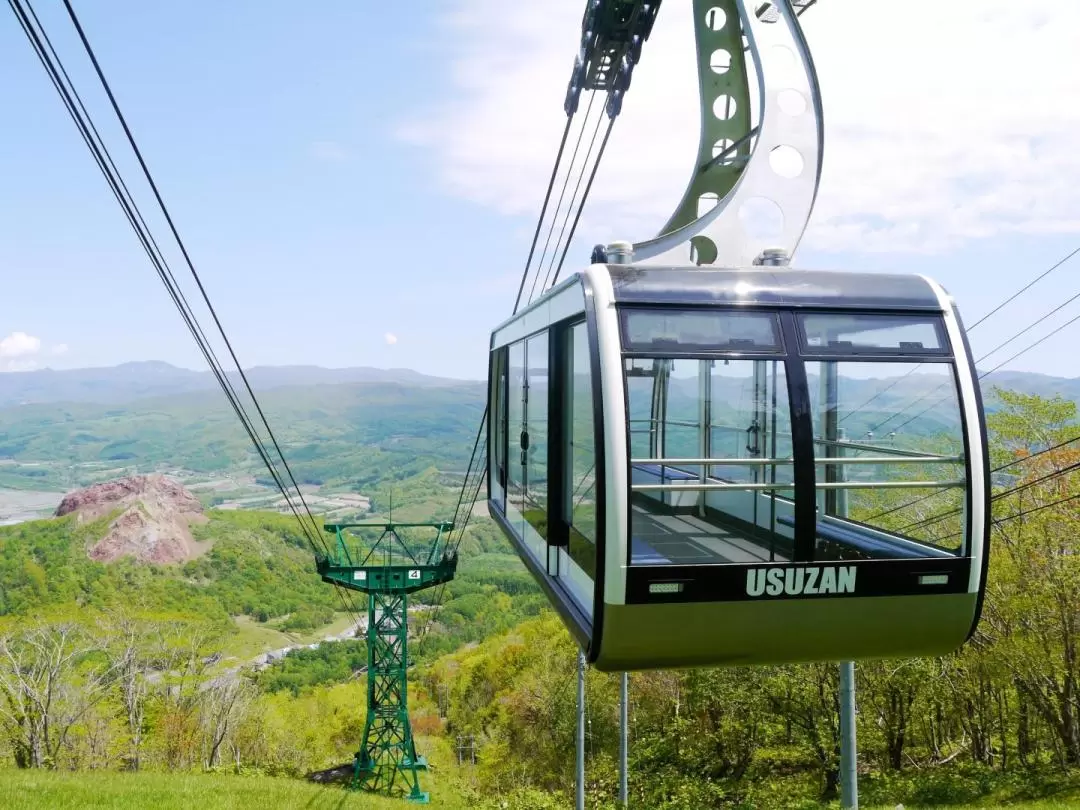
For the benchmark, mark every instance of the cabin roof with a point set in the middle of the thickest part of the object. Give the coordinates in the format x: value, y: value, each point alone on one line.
x: 771, y: 286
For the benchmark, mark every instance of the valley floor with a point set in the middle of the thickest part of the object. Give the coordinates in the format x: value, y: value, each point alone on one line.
x: 19, y: 505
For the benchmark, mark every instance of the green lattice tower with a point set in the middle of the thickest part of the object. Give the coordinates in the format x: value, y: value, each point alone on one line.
x: 388, y: 571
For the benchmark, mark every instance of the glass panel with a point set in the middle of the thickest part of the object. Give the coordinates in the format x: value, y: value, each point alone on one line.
x: 680, y: 425
x: 644, y: 433
x: 898, y: 488
x: 685, y: 508
x: 497, y: 452
x: 701, y: 330
x: 536, y: 416
x: 744, y: 395
x: 580, y: 431
x: 862, y: 332
x: 516, y: 430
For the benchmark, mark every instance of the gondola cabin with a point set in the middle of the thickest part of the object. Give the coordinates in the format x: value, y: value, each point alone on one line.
x: 722, y: 467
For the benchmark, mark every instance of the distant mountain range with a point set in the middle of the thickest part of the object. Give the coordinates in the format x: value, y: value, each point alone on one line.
x: 1041, y: 384
x: 131, y: 381
x: 142, y: 380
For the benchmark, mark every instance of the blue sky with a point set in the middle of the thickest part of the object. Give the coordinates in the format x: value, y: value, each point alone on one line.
x: 358, y: 171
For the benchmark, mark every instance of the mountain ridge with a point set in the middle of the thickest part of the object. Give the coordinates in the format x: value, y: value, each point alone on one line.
x: 153, y: 378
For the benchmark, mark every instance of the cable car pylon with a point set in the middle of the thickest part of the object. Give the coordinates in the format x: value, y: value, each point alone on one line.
x: 388, y: 571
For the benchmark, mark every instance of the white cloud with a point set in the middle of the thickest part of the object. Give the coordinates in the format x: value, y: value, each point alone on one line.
x: 390, y: 338
x: 17, y: 352
x: 60, y: 348
x: 955, y: 123
x: 19, y: 344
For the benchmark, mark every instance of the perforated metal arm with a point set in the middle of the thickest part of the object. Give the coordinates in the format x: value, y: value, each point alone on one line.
x: 753, y: 187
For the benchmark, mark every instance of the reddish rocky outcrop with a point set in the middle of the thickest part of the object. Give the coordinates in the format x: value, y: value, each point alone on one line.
x: 154, y: 526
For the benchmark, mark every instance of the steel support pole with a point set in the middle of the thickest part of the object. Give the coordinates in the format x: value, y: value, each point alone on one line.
x: 624, y: 745
x: 580, y: 803
x: 849, y: 750
x: 849, y: 777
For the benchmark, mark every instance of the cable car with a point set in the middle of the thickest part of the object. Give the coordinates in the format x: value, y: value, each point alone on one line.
x: 709, y: 466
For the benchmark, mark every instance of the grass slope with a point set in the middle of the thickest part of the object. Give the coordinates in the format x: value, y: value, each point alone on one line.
x: 181, y: 791
x: 111, y: 791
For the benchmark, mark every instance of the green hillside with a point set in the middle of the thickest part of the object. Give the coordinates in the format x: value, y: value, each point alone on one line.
x: 136, y: 663
x: 337, y: 437
x: 258, y: 565
x: 255, y: 587
x: 162, y: 666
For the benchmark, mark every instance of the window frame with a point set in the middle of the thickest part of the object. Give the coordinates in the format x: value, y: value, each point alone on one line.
x: 796, y: 354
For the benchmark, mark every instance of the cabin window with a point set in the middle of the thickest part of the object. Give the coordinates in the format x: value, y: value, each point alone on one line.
x: 890, y: 459
x: 497, y: 452
x: 536, y: 427
x: 704, y: 330
x: 749, y: 418
x: 716, y: 485
x: 579, y: 431
x: 518, y: 438
x: 644, y: 432
x: 870, y: 333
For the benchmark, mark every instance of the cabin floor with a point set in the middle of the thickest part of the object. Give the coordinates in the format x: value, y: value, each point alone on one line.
x: 661, y: 537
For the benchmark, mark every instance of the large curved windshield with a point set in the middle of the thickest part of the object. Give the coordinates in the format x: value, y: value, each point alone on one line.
x: 711, y: 437
x: 889, y: 446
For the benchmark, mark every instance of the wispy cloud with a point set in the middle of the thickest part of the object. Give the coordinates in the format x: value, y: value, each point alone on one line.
x: 935, y: 134
x: 390, y: 338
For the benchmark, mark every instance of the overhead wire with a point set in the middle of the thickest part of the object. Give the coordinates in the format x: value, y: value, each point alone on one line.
x: 588, y: 188
x: 1006, y: 466
x: 184, y: 252
x: 562, y: 192
x: 1036, y: 454
x: 982, y: 376
x: 117, y: 184
x: 573, y: 197
x: 979, y: 322
x: 103, y: 157
x: 58, y: 75
x: 1026, y: 287
x: 453, y: 546
x: 1032, y: 510
x: 1012, y: 491
x: 464, y: 498
x: 877, y: 428
x: 543, y: 210
x: 997, y: 522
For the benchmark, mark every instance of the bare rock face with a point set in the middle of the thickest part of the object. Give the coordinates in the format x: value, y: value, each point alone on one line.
x: 155, y: 525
